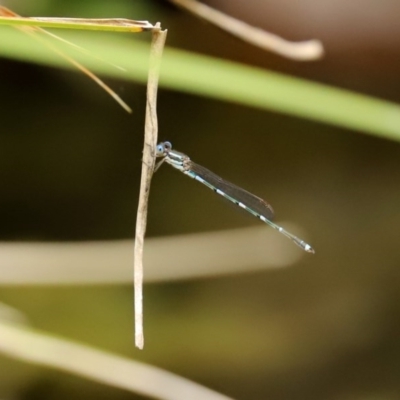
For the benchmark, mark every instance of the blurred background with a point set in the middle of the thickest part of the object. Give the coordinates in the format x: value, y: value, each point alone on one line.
x: 324, y: 328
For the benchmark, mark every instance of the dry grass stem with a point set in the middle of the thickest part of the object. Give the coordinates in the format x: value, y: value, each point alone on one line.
x: 35, y: 32
x: 8, y: 17
x: 299, y: 51
x: 149, y: 155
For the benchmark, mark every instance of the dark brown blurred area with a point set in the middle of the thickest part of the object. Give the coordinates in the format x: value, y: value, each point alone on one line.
x: 70, y: 160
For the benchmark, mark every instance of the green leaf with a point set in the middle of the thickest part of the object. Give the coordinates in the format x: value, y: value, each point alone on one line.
x: 217, y: 79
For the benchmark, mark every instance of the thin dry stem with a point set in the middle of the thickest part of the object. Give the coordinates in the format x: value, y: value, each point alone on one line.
x: 300, y: 51
x: 149, y: 151
x: 35, y: 33
x: 87, y: 72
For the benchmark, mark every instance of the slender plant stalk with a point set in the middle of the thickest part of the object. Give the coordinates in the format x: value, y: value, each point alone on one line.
x: 104, y: 24
x: 309, y: 50
x: 149, y: 151
x: 31, y: 27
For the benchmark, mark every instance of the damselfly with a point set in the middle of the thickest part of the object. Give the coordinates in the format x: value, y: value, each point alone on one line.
x: 249, y: 202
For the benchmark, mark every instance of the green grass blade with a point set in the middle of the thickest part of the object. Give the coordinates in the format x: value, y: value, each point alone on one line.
x: 222, y: 80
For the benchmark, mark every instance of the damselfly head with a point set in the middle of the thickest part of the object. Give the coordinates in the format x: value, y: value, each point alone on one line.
x: 163, y: 148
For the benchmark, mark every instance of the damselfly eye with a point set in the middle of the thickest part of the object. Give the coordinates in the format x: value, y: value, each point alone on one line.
x: 167, y: 146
